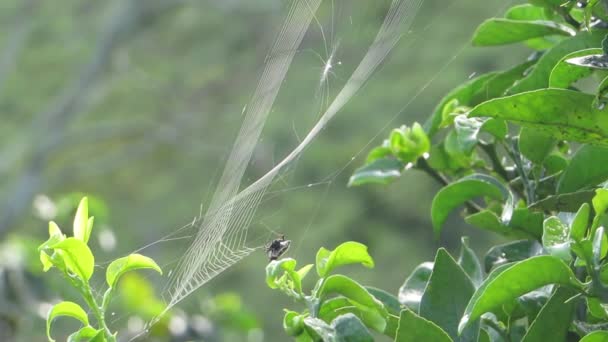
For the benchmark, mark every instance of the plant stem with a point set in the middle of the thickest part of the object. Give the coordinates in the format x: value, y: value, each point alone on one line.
x: 490, y: 150
x: 513, y: 151
x: 99, y: 312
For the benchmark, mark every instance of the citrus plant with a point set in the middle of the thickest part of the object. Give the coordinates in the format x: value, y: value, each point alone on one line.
x: 525, y: 152
x: 73, y: 258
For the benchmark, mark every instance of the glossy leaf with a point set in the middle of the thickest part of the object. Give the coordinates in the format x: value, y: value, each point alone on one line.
x: 597, y: 61
x: 446, y: 296
x: 335, y: 307
x: 413, y: 328
x: 600, y: 201
x: 349, y: 328
x: 382, y: 171
x: 516, y: 280
x: 498, y: 31
x: 578, y: 227
x: 511, y: 252
x: 457, y: 193
x: 410, y: 293
x: 467, y: 130
x: 126, y: 264
x: 463, y: 94
x: 68, y: 309
x: 469, y: 262
x: 320, y: 328
x: 587, y: 168
x: 85, y: 334
x: 346, y: 287
x: 564, y: 114
x: 539, y: 77
x: 596, y: 336
x: 81, y: 221
x: 350, y: 252
x: 77, y: 257
x: 553, y: 321
x: 556, y: 238
x: 564, y: 73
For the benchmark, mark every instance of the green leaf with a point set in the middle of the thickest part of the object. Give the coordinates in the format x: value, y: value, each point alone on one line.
x: 85, y: 334
x: 457, y: 193
x: 126, y: 264
x: 526, y: 12
x: 511, y: 252
x: 293, y: 323
x: 597, y: 61
x: 81, y: 221
x: 596, y: 336
x: 349, y: 328
x: 463, y: 94
x: 578, y: 228
x: 391, y: 303
x: 602, y: 90
x: 54, y: 229
x: 413, y: 328
x: 469, y: 262
x: 553, y: 321
x: 46, y: 261
x: 410, y: 293
x: 535, y: 145
x: 565, y: 73
x: 539, y: 77
x: 346, y: 287
x: 77, y: 257
x: 498, y: 84
x: 600, y: 201
x: 446, y: 297
x: 523, y: 224
x: 350, y: 252
x: 407, y: 144
x: 564, y: 114
x: 68, y: 309
x: 382, y: 171
x: 517, y: 280
x: 498, y: 31
x: 467, y: 130
x: 335, y: 307
x: 556, y: 238
x: 320, y: 328
x: 568, y: 202
x: 586, y: 169
x: 276, y: 269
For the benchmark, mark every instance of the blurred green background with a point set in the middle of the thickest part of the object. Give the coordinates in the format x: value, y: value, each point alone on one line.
x: 136, y: 104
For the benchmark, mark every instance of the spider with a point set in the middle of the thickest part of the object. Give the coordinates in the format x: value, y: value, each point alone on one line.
x: 277, y: 247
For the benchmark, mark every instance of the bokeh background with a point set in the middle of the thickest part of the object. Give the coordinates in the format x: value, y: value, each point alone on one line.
x: 136, y: 103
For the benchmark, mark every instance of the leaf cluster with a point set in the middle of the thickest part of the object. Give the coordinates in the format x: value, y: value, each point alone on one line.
x: 524, y: 150
x: 73, y: 258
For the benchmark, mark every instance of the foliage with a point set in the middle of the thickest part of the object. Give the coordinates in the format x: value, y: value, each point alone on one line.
x: 523, y: 150
x: 73, y: 258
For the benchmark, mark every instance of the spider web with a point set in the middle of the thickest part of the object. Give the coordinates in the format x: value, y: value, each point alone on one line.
x: 222, y: 232
x: 220, y: 235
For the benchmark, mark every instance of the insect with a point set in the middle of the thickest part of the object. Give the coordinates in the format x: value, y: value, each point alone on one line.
x: 277, y: 247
